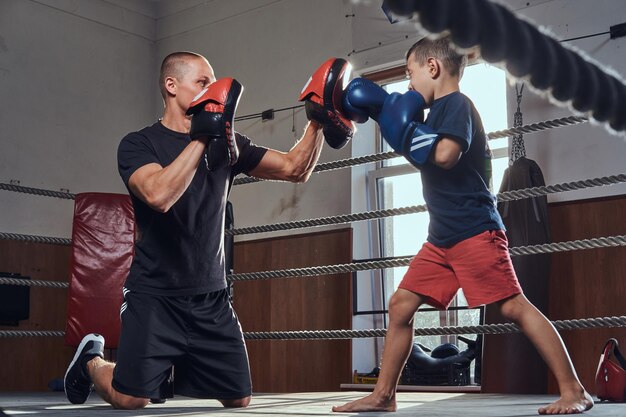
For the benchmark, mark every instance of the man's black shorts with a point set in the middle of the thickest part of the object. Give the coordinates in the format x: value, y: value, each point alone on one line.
x: 199, y: 335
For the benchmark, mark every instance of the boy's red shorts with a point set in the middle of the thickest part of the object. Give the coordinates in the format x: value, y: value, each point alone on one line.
x: 481, y: 265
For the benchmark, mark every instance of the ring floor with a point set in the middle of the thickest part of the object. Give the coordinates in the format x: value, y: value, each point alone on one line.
x: 428, y: 404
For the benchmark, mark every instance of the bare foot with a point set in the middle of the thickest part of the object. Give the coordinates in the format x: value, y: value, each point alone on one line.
x: 569, y: 404
x: 369, y: 403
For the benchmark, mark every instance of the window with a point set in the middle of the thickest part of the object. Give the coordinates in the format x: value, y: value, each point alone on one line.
x: 396, y: 184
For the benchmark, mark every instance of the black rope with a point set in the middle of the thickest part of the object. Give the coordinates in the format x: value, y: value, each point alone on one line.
x: 526, y: 52
x: 258, y: 115
x: 608, y: 32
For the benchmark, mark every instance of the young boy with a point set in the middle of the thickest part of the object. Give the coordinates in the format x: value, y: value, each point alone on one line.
x: 466, y: 244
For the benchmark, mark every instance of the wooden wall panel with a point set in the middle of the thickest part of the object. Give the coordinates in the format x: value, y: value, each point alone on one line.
x: 588, y: 283
x: 583, y: 284
x: 30, y: 363
x: 308, y: 303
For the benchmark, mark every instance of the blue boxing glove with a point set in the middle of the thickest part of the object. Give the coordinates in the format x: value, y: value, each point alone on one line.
x: 401, y: 125
x: 363, y: 99
x: 398, y: 115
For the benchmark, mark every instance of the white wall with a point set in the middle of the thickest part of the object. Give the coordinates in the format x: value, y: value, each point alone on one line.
x: 74, y: 78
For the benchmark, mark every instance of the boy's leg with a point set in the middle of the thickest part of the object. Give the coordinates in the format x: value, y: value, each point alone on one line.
x: 398, y: 343
x: 574, y: 399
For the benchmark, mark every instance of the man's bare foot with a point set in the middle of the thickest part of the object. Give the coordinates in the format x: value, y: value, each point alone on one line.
x: 370, y: 403
x: 569, y: 404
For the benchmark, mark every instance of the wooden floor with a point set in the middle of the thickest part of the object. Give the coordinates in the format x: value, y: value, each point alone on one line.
x: 299, y: 404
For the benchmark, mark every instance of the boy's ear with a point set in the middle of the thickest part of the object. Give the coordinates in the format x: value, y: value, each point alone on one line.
x: 434, y: 67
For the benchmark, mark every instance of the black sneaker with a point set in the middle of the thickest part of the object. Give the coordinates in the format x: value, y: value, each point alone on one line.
x: 77, y: 382
x: 157, y: 400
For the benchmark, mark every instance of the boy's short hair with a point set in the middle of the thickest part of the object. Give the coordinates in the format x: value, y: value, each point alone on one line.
x: 440, y: 49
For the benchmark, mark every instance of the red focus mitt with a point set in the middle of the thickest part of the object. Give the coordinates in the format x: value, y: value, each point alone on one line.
x: 322, y: 96
x: 213, y: 111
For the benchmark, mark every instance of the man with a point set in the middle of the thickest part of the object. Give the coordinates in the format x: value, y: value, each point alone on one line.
x: 176, y: 311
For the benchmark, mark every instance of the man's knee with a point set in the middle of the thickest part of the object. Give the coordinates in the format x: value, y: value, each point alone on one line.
x: 236, y: 403
x: 126, y: 402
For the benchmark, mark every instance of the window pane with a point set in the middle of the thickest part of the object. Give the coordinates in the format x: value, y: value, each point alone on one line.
x: 498, y: 167
x: 485, y: 86
x: 401, y: 235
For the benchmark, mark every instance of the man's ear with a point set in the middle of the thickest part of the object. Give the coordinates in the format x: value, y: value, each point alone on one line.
x: 170, y: 85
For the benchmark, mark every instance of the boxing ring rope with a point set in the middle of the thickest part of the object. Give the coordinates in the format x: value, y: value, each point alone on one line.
x: 37, y: 191
x: 567, y: 75
x: 343, y: 163
x: 378, y: 214
x: 498, y: 134
x: 393, y: 262
x: 33, y: 282
x: 575, y: 324
x: 369, y: 215
x: 36, y: 239
x: 602, y: 242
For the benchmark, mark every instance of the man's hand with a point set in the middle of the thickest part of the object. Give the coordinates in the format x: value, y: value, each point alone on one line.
x: 213, y: 112
x: 322, y: 96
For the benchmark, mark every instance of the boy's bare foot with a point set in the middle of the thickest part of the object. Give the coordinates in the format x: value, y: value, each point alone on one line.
x: 569, y: 404
x: 370, y: 403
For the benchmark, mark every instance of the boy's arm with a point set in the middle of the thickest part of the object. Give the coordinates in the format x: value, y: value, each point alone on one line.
x: 295, y: 165
x: 447, y: 153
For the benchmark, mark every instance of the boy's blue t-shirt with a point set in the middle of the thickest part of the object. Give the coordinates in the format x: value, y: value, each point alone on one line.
x: 458, y: 199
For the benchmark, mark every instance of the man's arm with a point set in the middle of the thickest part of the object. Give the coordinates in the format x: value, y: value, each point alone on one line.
x: 160, y: 187
x: 295, y: 165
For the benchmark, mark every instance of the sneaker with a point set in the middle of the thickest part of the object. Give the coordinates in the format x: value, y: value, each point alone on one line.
x: 77, y: 382
x: 157, y: 400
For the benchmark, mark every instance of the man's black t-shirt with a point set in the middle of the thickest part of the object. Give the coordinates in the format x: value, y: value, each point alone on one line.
x: 180, y: 252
